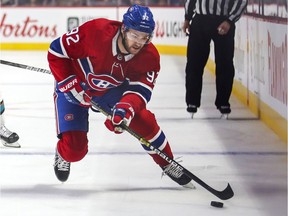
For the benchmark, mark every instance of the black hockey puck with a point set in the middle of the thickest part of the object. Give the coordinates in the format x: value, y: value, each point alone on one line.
x: 217, y: 204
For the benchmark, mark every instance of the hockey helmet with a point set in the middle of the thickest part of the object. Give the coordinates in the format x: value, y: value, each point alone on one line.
x: 139, y: 18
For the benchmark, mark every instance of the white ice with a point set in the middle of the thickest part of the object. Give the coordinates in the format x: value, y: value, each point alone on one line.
x: 117, y: 178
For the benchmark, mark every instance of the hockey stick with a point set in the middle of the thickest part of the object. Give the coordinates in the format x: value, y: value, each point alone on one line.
x: 225, y: 194
x: 27, y: 67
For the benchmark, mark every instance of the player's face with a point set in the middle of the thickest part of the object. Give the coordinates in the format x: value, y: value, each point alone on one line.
x: 135, y: 40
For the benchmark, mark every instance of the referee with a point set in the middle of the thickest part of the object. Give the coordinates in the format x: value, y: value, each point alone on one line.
x: 207, y: 20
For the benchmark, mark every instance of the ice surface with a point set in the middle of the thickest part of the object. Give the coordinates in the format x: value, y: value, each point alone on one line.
x: 117, y: 177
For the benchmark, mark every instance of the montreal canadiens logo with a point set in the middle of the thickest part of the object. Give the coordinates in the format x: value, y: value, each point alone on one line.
x: 69, y: 117
x: 102, y: 82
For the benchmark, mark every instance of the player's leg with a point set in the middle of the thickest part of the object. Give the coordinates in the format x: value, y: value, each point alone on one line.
x: 144, y: 123
x: 198, y: 49
x: 224, y: 54
x: 72, y: 146
x: 72, y: 128
x: 8, y: 138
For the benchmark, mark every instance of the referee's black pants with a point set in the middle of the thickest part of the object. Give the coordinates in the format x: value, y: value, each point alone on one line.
x: 202, y: 30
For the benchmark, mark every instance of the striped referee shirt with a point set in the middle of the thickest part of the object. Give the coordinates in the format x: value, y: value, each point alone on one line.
x: 232, y: 9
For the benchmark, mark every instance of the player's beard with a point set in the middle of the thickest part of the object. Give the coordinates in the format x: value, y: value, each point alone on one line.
x: 133, y: 49
x: 124, y: 42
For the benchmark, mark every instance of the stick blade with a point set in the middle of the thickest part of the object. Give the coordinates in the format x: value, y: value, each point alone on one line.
x: 226, y: 194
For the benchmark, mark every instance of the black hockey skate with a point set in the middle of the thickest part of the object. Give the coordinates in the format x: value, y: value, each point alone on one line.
x: 9, y: 139
x: 61, y: 168
x: 191, y: 109
x: 177, y: 175
x: 225, y: 111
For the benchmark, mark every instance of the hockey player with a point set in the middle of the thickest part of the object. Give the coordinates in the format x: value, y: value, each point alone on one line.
x: 8, y: 138
x: 115, y: 64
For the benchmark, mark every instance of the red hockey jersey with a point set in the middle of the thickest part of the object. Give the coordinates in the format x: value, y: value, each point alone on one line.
x: 90, y: 52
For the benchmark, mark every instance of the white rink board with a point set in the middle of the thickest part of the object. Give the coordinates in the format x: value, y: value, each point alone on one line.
x: 260, y: 45
x: 26, y: 25
x: 45, y: 24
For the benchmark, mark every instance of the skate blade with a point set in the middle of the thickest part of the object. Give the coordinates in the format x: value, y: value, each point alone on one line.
x: 224, y: 116
x: 192, y: 115
x: 11, y: 145
x: 189, y: 185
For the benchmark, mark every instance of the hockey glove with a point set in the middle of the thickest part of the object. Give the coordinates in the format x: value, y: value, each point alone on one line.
x: 122, y: 112
x: 76, y: 91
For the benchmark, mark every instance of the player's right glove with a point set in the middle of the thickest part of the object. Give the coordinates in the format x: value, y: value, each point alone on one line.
x: 75, y: 91
x: 122, y: 112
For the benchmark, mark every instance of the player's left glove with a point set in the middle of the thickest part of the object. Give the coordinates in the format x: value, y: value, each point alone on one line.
x: 76, y: 91
x: 122, y: 112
